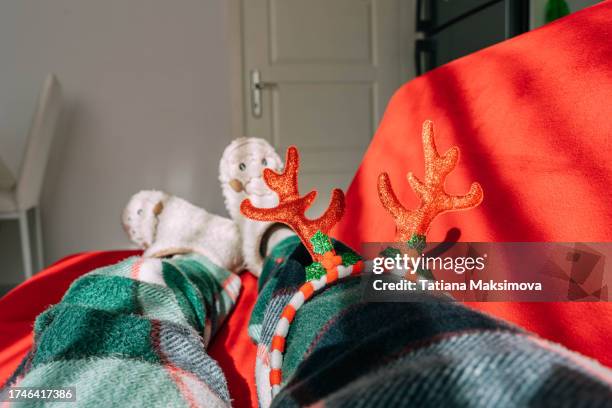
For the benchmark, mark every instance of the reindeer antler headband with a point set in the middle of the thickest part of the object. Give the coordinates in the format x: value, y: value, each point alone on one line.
x: 411, y: 224
x: 327, y: 267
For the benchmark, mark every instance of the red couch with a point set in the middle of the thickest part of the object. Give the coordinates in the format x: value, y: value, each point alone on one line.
x: 533, y: 118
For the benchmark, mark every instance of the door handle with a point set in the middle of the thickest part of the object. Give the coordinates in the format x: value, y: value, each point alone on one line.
x: 257, y: 85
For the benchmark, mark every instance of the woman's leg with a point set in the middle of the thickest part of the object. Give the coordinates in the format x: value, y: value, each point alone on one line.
x: 135, y: 334
x: 343, y: 351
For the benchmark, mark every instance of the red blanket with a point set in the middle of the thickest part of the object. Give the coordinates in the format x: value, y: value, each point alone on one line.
x: 533, y: 118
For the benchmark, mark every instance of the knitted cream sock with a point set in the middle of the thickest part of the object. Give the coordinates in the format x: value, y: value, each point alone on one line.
x: 165, y: 225
x: 240, y: 173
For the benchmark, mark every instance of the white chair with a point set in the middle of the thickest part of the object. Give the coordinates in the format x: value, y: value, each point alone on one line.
x: 20, y: 195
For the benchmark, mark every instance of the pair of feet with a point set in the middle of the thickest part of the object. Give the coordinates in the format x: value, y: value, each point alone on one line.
x: 165, y: 225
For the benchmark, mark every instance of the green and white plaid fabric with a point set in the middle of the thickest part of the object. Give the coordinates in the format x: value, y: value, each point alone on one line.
x: 135, y: 334
x: 343, y: 351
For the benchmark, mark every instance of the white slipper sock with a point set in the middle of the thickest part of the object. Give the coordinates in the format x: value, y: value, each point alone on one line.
x: 240, y: 173
x: 165, y: 225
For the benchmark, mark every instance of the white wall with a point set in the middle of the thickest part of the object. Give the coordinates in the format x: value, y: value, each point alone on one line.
x: 147, y: 93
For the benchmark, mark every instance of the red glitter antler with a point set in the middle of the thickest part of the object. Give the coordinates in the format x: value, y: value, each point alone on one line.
x: 434, y: 200
x: 292, y: 207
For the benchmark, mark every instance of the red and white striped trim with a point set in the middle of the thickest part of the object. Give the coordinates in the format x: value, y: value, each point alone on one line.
x: 306, y: 291
x: 231, y: 286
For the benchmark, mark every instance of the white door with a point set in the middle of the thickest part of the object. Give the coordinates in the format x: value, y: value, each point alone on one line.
x: 326, y: 70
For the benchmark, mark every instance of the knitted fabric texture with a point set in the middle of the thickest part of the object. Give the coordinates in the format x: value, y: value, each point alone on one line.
x: 342, y: 351
x: 134, y: 334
